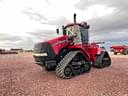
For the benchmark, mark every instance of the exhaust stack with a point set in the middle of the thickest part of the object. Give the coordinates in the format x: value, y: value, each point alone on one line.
x: 74, y: 18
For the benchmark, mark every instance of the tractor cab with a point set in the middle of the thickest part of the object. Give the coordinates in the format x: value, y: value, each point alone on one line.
x: 78, y: 30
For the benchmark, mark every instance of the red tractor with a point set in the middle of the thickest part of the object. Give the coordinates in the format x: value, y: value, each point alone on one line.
x: 122, y: 49
x: 71, y: 54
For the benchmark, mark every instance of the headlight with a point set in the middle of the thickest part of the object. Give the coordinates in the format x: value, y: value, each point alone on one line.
x: 40, y: 54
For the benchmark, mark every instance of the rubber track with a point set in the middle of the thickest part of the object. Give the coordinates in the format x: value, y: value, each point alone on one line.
x: 99, y: 62
x: 64, y: 62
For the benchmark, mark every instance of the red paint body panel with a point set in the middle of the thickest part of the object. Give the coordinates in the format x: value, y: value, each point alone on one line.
x: 91, y: 50
x: 59, y: 43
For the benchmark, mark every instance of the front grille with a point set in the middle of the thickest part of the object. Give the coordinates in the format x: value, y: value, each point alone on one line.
x: 45, y: 48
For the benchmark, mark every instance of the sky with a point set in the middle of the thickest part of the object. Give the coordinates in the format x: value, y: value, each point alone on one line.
x: 26, y: 22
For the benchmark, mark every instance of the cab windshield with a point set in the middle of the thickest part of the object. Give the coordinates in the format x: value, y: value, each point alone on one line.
x: 72, y: 29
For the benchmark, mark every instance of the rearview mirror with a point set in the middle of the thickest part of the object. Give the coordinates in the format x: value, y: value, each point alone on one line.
x: 64, y: 31
x: 87, y: 26
x: 57, y: 31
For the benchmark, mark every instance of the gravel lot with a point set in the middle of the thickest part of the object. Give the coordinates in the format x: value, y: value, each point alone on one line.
x: 19, y: 76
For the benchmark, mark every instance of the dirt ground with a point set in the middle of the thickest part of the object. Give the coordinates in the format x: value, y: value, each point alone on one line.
x: 19, y: 76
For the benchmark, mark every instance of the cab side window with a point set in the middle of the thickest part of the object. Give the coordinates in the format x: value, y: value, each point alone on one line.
x: 84, y: 35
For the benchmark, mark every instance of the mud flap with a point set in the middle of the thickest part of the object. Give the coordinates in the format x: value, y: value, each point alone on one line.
x: 102, y: 60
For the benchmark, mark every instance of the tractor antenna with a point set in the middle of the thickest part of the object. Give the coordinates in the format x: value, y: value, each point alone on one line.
x: 74, y: 18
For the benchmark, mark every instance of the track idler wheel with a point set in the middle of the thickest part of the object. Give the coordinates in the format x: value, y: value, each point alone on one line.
x: 68, y: 71
x: 87, y: 67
